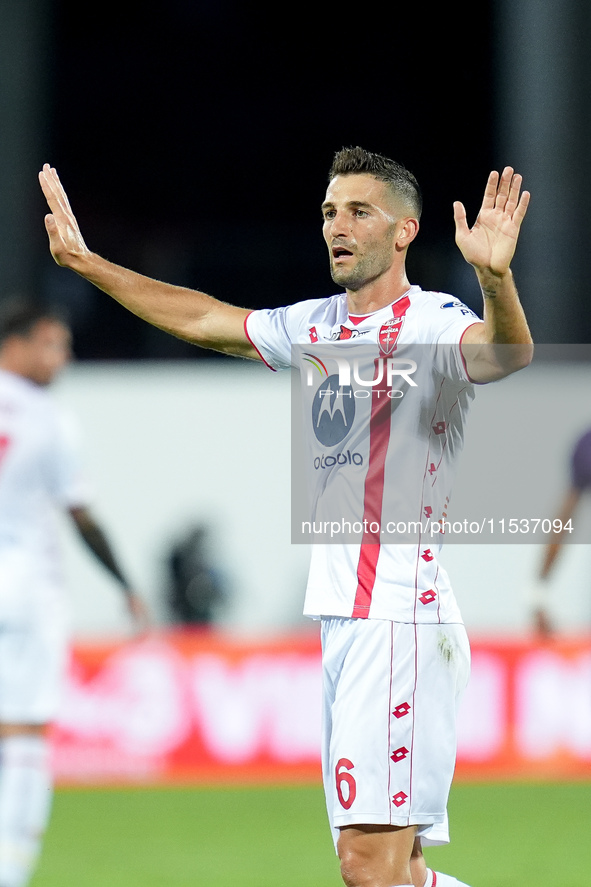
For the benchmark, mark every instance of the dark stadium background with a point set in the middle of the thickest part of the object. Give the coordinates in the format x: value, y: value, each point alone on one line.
x: 194, y: 139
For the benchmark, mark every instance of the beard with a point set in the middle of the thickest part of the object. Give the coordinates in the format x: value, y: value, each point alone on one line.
x: 350, y: 279
x: 366, y: 270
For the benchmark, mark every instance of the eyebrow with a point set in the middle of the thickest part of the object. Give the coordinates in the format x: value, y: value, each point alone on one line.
x: 355, y: 203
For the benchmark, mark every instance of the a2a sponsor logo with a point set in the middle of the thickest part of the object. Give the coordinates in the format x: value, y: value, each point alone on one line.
x: 347, y: 458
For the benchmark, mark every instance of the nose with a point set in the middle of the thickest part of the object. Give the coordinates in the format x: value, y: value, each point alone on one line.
x: 339, y: 225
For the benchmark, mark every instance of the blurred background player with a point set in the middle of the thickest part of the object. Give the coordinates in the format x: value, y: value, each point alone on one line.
x: 580, y: 481
x: 39, y: 473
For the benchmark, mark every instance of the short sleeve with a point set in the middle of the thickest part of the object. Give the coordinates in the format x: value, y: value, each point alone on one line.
x: 450, y: 319
x: 267, y: 331
x: 581, y: 463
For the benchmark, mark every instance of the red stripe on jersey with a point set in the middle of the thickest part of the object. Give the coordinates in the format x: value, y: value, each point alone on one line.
x: 400, y: 307
x: 253, y: 345
x: 379, y: 438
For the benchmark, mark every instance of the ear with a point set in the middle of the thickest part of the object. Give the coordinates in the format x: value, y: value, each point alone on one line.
x: 407, y: 230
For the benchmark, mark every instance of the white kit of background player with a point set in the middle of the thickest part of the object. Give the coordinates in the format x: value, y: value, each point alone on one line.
x: 40, y: 473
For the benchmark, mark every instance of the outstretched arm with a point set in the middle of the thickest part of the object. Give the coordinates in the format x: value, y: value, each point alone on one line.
x: 98, y: 543
x: 503, y: 344
x: 185, y: 313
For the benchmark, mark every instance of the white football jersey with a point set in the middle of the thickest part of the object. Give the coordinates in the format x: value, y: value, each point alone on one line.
x: 384, y: 401
x: 40, y: 472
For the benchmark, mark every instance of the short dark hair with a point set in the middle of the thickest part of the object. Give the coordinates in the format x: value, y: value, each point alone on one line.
x: 19, y: 316
x: 351, y: 161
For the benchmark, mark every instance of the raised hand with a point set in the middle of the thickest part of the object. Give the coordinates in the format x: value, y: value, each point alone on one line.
x: 490, y: 244
x: 65, y: 240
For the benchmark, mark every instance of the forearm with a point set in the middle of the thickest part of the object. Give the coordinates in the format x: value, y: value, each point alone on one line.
x: 504, y: 318
x: 185, y: 313
x: 97, y: 542
x: 553, y: 548
x: 503, y: 343
x: 551, y: 552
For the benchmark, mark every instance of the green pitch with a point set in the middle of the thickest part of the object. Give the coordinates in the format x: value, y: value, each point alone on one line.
x: 503, y: 834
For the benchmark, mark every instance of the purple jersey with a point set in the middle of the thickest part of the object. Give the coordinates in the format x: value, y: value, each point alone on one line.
x: 581, y: 463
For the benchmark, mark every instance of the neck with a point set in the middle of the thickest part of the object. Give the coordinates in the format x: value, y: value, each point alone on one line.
x: 376, y: 295
x: 15, y: 367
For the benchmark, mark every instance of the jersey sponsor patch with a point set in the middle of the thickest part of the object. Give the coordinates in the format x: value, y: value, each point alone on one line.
x: 333, y: 411
x: 455, y: 303
x: 345, y: 333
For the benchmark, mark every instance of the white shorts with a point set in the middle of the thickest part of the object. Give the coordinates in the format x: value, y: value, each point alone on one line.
x: 391, y: 691
x: 33, y: 647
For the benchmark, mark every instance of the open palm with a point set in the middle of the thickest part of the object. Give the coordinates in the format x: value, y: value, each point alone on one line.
x: 490, y: 243
x: 65, y: 239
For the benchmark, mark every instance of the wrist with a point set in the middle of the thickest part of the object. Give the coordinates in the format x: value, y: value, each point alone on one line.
x: 87, y: 264
x: 488, y: 276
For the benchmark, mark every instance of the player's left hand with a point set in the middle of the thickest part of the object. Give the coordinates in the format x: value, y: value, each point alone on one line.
x: 140, y: 613
x: 490, y: 244
x: 542, y: 623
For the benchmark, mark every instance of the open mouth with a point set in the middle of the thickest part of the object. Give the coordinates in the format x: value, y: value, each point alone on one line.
x: 339, y: 252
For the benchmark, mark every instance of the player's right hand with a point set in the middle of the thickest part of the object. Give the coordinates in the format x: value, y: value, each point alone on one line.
x: 139, y: 612
x: 65, y: 240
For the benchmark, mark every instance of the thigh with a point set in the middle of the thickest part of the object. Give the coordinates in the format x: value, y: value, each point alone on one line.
x: 389, y: 721
x: 33, y: 654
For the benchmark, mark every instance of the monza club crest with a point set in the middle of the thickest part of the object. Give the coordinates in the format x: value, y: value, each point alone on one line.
x: 388, y: 334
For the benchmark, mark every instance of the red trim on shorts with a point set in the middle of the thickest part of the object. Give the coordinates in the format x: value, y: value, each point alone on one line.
x: 379, y: 439
x: 414, y: 720
x: 253, y: 345
x: 476, y: 322
x: 390, y: 715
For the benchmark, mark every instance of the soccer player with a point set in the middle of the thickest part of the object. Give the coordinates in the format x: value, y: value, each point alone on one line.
x: 395, y: 653
x: 580, y: 482
x: 39, y: 473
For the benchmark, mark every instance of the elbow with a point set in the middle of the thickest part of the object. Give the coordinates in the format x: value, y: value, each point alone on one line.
x: 501, y: 361
x: 512, y: 358
x: 518, y: 357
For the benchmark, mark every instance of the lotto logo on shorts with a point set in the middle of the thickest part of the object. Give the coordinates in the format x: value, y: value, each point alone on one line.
x: 399, y: 799
x: 428, y: 555
x: 428, y: 597
x: 399, y: 754
x: 401, y: 710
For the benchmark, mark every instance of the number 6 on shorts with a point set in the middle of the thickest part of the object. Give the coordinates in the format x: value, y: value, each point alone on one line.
x: 341, y: 775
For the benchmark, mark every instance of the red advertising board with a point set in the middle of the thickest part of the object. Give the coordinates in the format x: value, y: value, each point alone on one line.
x: 205, y: 707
